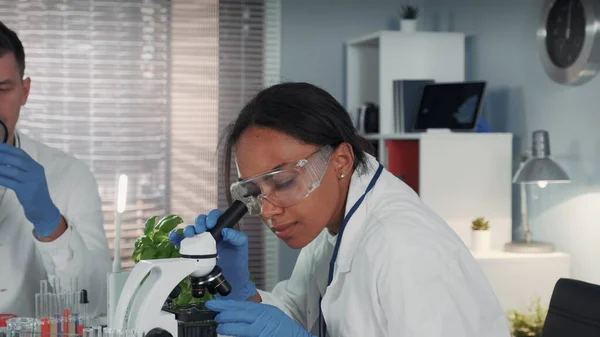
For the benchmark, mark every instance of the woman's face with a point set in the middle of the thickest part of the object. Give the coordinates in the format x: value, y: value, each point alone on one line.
x: 260, y: 150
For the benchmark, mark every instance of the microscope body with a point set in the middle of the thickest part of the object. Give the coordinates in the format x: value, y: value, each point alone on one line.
x: 151, y: 281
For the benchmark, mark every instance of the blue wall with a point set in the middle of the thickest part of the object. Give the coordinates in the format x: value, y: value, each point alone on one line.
x: 503, y: 51
x: 312, y: 40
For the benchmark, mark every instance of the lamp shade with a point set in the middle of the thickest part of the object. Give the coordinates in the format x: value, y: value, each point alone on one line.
x: 540, y: 167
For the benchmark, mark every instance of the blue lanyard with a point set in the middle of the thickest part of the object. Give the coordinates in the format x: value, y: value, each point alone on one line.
x: 322, y: 324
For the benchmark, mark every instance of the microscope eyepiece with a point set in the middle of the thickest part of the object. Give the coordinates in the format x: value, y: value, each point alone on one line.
x: 228, y: 219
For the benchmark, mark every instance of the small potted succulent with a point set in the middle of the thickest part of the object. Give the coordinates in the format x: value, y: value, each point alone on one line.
x: 408, y: 18
x: 155, y: 244
x: 481, y: 235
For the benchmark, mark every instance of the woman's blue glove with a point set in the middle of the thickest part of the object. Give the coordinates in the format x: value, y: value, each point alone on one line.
x: 20, y: 173
x: 251, y: 319
x: 232, y: 251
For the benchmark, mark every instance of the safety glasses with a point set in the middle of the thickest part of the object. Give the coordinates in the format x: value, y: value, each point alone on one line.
x: 284, y: 186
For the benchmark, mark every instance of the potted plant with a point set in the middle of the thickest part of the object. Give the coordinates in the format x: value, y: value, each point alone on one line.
x: 408, y: 18
x: 155, y: 244
x: 529, y: 323
x: 481, y: 235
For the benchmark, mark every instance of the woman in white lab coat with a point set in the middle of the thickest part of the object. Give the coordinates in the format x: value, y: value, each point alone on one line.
x: 374, y: 260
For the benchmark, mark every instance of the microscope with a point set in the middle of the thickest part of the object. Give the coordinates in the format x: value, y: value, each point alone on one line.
x: 152, y: 283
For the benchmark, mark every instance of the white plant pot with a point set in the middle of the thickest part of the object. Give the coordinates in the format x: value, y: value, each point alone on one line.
x: 481, y: 241
x: 408, y: 26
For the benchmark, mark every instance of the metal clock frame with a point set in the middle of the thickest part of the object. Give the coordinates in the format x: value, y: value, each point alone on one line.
x: 587, y: 64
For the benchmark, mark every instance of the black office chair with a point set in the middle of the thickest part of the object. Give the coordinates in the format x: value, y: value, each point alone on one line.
x: 574, y: 310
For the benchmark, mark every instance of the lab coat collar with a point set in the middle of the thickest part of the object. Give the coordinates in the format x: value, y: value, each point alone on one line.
x: 356, y: 225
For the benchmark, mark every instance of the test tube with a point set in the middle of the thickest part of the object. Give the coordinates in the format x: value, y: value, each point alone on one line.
x: 52, y: 305
x: 45, y: 327
x: 53, y: 330
x: 56, y: 314
x: 43, y: 299
x: 76, y: 312
x: 108, y: 332
x: 56, y: 285
x: 38, y: 306
x: 73, y: 322
x: 66, y: 316
x: 83, y: 303
x: 88, y: 332
x: 133, y: 333
x: 61, y: 302
x: 74, y: 284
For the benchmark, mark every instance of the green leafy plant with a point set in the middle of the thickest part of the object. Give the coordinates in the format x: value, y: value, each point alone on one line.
x: 480, y: 224
x: 155, y: 244
x: 408, y: 12
x: 529, y: 323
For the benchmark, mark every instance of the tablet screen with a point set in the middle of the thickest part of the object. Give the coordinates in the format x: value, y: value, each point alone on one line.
x: 454, y: 106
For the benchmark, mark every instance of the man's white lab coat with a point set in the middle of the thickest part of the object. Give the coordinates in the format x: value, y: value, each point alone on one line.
x: 400, y: 271
x: 81, y: 251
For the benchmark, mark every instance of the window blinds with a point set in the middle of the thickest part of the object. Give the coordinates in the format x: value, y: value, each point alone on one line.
x: 271, y: 76
x: 144, y: 87
x: 100, y: 91
x: 223, y: 52
x: 248, y: 46
x: 194, y: 106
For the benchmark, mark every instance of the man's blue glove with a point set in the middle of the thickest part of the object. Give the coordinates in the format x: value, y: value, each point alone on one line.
x: 20, y: 173
x: 251, y: 319
x: 232, y: 251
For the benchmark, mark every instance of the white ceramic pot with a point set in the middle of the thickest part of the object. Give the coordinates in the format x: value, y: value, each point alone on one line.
x: 481, y: 241
x: 408, y: 26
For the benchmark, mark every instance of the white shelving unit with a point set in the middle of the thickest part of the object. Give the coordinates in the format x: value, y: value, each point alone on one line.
x: 518, y: 279
x: 376, y: 60
x: 460, y: 175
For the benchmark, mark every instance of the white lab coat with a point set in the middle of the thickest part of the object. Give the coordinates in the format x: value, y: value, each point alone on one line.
x: 81, y: 251
x: 400, y: 271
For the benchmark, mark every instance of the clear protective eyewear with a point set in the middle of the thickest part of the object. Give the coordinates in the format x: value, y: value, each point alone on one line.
x: 284, y: 186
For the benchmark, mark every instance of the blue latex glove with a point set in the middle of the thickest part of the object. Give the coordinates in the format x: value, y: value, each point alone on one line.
x: 232, y: 251
x: 251, y: 319
x: 20, y: 173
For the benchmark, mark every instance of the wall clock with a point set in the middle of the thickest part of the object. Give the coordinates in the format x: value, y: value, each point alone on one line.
x: 569, y: 40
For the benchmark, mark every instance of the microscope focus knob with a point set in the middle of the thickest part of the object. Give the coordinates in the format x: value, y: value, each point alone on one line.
x: 175, y: 292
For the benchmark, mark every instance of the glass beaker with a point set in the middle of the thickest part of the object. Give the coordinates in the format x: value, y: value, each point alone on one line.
x: 21, y: 327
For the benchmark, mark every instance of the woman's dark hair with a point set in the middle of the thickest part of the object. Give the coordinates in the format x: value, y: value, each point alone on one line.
x: 302, y: 111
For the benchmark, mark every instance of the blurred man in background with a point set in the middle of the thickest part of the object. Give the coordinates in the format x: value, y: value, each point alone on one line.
x: 51, y: 222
